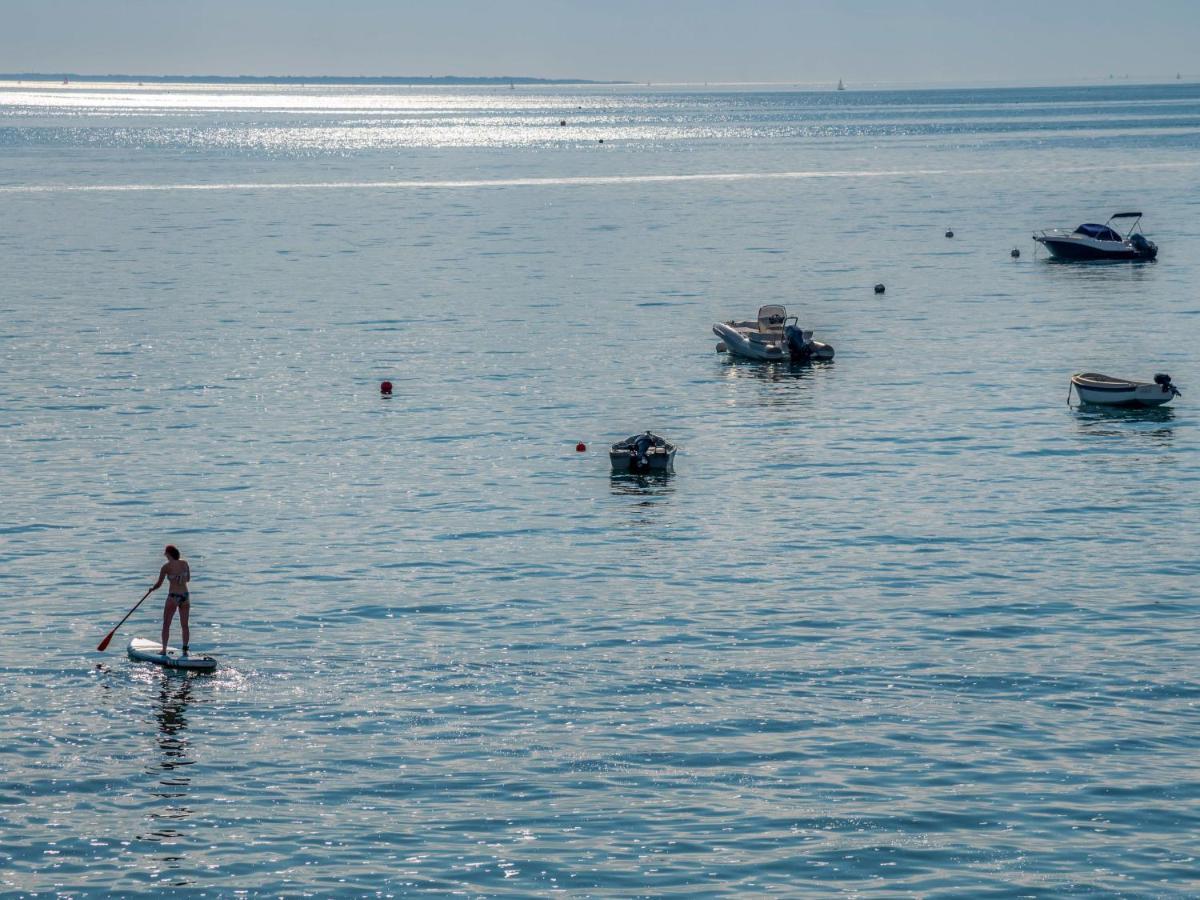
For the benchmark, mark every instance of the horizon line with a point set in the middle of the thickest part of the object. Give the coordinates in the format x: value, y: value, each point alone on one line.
x: 531, y: 80
x: 279, y: 79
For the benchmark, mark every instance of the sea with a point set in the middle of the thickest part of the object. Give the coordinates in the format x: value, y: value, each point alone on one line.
x: 911, y: 623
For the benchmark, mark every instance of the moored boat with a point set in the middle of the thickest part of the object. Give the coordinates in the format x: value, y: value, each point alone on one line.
x: 1104, y: 390
x: 1099, y: 242
x: 640, y: 453
x: 774, y: 335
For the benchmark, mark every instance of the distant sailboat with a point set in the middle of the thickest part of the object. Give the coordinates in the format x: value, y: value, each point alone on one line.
x: 841, y: 86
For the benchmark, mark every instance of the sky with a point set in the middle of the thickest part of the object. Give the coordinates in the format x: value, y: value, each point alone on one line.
x: 803, y: 41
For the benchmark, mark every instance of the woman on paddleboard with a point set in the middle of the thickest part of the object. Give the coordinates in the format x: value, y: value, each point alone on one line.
x: 177, y: 574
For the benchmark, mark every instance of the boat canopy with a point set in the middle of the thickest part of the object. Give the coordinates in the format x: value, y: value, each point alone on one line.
x: 771, y: 316
x: 1099, y: 232
x: 1130, y: 215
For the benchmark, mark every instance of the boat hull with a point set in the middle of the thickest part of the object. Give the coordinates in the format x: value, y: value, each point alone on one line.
x: 738, y: 342
x: 657, y: 459
x: 642, y: 454
x: 1128, y: 394
x: 1088, y: 250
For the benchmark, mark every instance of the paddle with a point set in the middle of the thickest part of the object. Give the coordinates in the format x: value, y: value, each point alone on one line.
x: 108, y: 637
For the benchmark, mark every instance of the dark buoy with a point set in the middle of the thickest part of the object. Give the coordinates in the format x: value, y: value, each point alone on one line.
x: 1016, y: 254
x: 385, y: 388
x: 560, y: 122
x: 879, y: 289
x: 949, y: 232
x: 581, y: 447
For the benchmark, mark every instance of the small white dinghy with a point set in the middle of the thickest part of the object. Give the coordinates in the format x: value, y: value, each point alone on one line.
x: 1104, y: 390
x: 149, y: 651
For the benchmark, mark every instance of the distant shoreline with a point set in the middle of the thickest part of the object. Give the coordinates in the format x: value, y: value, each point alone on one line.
x: 302, y: 79
x: 530, y: 81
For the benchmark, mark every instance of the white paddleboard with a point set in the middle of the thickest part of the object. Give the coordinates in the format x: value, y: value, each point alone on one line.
x: 148, y: 651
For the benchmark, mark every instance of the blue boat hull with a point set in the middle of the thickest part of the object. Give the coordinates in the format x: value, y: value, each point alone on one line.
x: 1085, y: 252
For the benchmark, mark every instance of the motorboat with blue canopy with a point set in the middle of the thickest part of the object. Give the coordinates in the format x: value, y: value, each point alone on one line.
x: 1091, y: 241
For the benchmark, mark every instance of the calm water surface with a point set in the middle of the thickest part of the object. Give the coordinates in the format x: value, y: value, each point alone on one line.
x: 905, y: 624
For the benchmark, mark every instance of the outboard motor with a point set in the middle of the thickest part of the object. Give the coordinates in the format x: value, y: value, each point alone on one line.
x: 799, y: 350
x: 1163, y: 380
x: 643, y: 443
x: 1145, y: 247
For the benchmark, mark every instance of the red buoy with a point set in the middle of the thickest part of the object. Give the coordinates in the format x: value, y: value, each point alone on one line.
x: 385, y: 388
x: 580, y: 447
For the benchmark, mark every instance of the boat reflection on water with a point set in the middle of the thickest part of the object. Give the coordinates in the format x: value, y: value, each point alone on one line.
x: 641, y: 498
x: 654, y: 484
x: 171, y: 791
x: 1124, y: 422
x: 780, y: 385
x: 732, y: 367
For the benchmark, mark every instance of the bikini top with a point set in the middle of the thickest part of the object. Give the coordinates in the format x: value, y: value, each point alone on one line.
x: 185, y: 575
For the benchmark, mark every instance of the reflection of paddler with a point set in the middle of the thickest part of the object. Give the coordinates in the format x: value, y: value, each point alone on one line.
x: 172, y: 704
x: 177, y: 573
x: 172, y: 730
x: 173, y: 782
